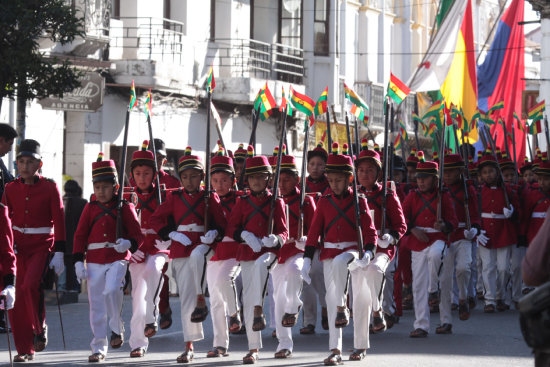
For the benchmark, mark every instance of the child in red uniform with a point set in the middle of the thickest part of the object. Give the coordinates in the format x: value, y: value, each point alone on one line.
x: 106, y: 256
x: 191, y: 247
x: 148, y: 261
x: 335, y: 219
x: 369, y: 169
x: 427, y: 241
x: 35, y: 207
x: 7, y: 261
x: 248, y: 224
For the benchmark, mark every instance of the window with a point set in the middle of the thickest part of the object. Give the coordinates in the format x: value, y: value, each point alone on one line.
x: 213, y: 19
x: 321, y: 28
x: 290, y: 23
x: 116, y: 9
x: 166, y: 13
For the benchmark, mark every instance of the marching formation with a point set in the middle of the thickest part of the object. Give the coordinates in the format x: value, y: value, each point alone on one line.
x: 345, y: 236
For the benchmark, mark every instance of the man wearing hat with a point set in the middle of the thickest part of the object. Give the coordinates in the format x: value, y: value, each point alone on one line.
x: 258, y: 249
x: 106, y: 256
x: 238, y: 164
x: 36, y: 211
x: 192, y: 244
x: 335, y: 220
x: 459, y: 256
x: 428, y: 235
x: 7, y: 136
x: 526, y: 172
x: 499, y: 221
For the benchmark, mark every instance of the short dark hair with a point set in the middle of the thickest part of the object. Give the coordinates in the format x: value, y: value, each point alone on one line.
x: 7, y: 132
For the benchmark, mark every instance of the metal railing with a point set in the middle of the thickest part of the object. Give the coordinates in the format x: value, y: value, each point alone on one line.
x: 252, y: 58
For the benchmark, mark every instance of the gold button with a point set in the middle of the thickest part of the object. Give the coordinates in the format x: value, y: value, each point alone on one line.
x: 26, y: 211
x: 27, y: 198
x: 104, y: 234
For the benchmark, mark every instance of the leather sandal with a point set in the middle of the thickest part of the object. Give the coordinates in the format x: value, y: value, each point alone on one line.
x: 418, y: 333
x: 117, y: 340
x: 250, y: 358
x: 217, y: 352
x: 358, y: 355
x: 342, y: 319
x: 324, y: 322
x: 23, y: 357
x: 150, y: 330
x: 165, y: 320
x: 137, y: 353
x: 185, y: 357
x: 258, y: 323
x: 333, y: 360
x: 199, y: 314
x: 283, y: 353
x: 41, y: 340
x: 96, y: 357
x: 490, y: 308
x: 379, y: 324
x: 308, y: 329
x: 444, y: 329
x: 235, y: 323
x: 289, y: 319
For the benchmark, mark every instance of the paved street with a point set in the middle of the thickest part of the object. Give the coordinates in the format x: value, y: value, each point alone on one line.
x: 484, y: 340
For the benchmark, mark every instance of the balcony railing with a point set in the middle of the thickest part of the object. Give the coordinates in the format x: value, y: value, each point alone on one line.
x: 252, y: 58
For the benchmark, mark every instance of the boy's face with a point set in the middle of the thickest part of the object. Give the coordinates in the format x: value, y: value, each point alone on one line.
x: 258, y: 182
x: 528, y: 176
x: 316, y: 167
x: 191, y: 179
x: 508, y: 175
x: 28, y: 166
x: 239, y: 167
x: 222, y: 182
x: 288, y: 183
x: 544, y: 183
x: 143, y: 176
x: 451, y: 176
x: 426, y: 184
x: 338, y: 182
x: 398, y: 175
x: 5, y: 145
x: 104, y: 191
x: 411, y: 172
x: 367, y: 173
x: 489, y: 175
x: 161, y: 160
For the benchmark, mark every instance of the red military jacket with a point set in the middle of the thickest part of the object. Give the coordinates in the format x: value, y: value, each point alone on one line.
x: 420, y: 210
x: 289, y: 249
x: 97, y: 225
x: 395, y: 221
x: 502, y: 232
x: 36, y: 213
x: 7, y: 255
x: 535, y: 205
x: 251, y: 213
x: 228, y: 247
x: 457, y: 194
x: 320, y: 185
x: 186, y: 209
x: 336, y: 228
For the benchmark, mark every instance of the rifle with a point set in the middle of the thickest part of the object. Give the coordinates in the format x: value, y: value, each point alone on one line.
x: 441, y: 167
x: 465, y: 185
x: 152, y: 142
x: 255, y: 117
x: 493, y: 147
x: 329, y: 133
x: 303, y: 180
x: 416, y: 124
x: 386, y: 166
x: 355, y: 198
x: 503, y: 123
x: 207, y: 164
x: 357, y: 149
x: 546, y: 132
x: 278, y: 172
x: 121, y: 176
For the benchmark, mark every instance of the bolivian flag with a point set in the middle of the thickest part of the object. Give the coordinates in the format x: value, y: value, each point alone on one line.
x: 354, y: 97
x: 321, y: 105
x: 397, y: 90
x: 133, y: 98
x: 536, y: 110
x: 302, y: 102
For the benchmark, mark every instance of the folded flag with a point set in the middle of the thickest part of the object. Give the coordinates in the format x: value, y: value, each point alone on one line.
x: 354, y: 97
x: 397, y: 90
x: 321, y: 105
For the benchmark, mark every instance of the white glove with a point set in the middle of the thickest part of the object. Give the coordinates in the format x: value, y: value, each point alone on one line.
x: 9, y: 294
x: 57, y: 263
x: 305, y: 270
x: 252, y: 241
x: 122, y: 245
x: 469, y: 234
x: 162, y: 245
x: 180, y: 237
x: 508, y: 212
x: 301, y: 243
x: 209, y: 237
x: 270, y: 241
x: 137, y: 256
x: 360, y: 263
x: 80, y: 271
x: 482, y: 239
x: 385, y: 240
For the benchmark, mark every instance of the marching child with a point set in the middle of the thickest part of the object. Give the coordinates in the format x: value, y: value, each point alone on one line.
x: 258, y: 249
x: 427, y: 242
x: 335, y: 220
x: 192, y: 244
x: 36, y: 211
x: 148, y: 261
x: 106, y: 256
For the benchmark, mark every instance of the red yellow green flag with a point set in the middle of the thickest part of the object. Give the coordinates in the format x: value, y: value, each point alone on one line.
x: 535, y: 127
x: 210, y: 82
x: 265, y: 103
x: 321, y: 105
x: 148, y: 108
x: 302, y: 102
x: 133, y: 98
x: 354, y: 97
x: 536, y: 110
x: 397, y: 90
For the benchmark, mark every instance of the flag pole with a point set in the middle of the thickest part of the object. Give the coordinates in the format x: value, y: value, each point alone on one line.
x: 529, y: 145
x: 152, y: 142
x: 546, y: 133
x: 275, y: 189
x: 207, y: 175
x: 329, y: 133
x: 121, y: 174
x: 514, y: 150
x: 416, y: 123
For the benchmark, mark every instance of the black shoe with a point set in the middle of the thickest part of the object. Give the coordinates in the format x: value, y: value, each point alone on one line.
x: 444, y: 329
x: 166, y: 319
x: 117, y: 340
x: 463, y: 311
x: 501, y: 306
x: 391, y: 320
x: 150, y: 330
x: 472, y: 302
x: 41, y: 340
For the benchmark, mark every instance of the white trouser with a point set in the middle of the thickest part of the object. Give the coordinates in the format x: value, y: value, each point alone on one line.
x: 315, y: 290
x: 271, y: 302
x: 363, y: 299
x: 336, y: 284
x: 375, y: 276
x: 220, y: 276
x: 287, y: 286
x: 458, y: 260
x: 480, y: 287
x: 473, y: 272
x: 146, y: 285
x: 105, y: 283
x: 426, y: 265
x: 496, y: 266
x: 183, y: 272
x: 255, y: 275
x: 518, y: 253
x: 198, y: 260
x: 388, y: 303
